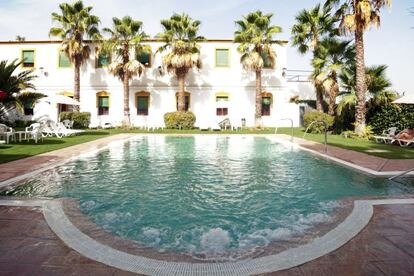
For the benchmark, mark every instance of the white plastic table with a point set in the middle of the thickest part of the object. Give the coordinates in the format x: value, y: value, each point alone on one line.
x: 20, y: 135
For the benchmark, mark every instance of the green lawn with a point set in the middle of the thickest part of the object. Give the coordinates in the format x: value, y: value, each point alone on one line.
x: 19, y: 150
x: 25, y: 149
x: 361, y: 145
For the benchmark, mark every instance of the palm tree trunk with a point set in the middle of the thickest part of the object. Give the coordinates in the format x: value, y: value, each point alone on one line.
x: 127, y: 121
x: 181, y: 93
x: 258, y: 112
x: 360, y: 81
x: 319, y: 99
x: 125, y: 83
x: 76, y: 89
x: 332, y: 99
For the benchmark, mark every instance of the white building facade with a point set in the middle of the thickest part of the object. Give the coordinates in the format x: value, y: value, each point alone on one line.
x: 221, y: 89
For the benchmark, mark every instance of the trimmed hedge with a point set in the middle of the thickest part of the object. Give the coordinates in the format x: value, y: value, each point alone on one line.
x: 312, y: 116
x: 22, y: 123
x: 80, y: 119
x: 179, y: 120
x: 392, y: 115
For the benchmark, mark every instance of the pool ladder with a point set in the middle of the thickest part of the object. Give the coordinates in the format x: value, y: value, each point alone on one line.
x: 401, y: 175
x: 291, y: 127
x: 325, y: 126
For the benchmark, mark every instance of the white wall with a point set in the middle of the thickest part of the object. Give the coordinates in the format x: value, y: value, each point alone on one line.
x: 203, y: 85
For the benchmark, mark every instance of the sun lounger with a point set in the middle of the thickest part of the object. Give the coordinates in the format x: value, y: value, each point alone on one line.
x: 405, y: 143
x: 384, y: 139
x: 67, y: 132
x: 387, y: 136
x: 68, y: 123
x: 225, y: 124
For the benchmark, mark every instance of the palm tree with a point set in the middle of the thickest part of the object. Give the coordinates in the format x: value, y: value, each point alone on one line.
x: 75, y: 24
x: 181, y: 42
x: 356, y: 17
x: 13, y: 86
x: 311, y: 26
x: 378, y: 88
x: 331, y: 57
x: 256, y: 37
x: 126, y: 37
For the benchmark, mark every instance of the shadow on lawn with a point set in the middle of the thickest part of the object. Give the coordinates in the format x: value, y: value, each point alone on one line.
x: 97, y: 133
x: 4, y: 147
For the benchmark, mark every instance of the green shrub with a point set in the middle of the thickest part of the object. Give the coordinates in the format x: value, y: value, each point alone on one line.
x: 367, y: 134
x: 312, y: 116
x: 392, y: 115
x: 179, y: 120
x: 80, y: 119
x: 22, y: 123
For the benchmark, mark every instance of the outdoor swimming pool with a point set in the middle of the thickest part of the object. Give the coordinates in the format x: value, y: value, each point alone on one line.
x: 205, y: 195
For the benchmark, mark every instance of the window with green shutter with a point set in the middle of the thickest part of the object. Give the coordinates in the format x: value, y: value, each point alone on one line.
x: 103, y: 105
x: 142, y: 105
x: 28, y: 58
x: 103, y: 60
x: 64, y: 61
x: 144, y: 58
x: 266, y: 104
x: 222, y: 57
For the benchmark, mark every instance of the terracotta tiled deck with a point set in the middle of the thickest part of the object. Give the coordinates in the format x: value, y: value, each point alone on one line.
x: 384, y: 247
x: 358, y: 158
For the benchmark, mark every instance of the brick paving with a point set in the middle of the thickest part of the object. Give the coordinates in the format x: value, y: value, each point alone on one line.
x: 358, y: 158
x: 384, y: 247
x: 29, y: 247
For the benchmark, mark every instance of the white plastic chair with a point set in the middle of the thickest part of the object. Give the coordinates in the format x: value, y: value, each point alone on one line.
x: 7, y: 132
x: 34, y: 131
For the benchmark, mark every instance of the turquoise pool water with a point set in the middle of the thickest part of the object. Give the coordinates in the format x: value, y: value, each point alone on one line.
x: 204, y: 194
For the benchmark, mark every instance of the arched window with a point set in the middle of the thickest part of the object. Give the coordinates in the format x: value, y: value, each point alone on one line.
x: 142, y: 101
x: 267, y: 101
x: 102, y: 102
x: 222, y: 104
x: 187, y: 100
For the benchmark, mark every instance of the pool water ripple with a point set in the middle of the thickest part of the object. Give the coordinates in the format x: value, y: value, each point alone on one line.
x: 212, y: 197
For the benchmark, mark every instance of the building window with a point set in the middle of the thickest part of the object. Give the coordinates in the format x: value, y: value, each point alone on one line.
x: 28, y: 58
x: 64, y: 61
x: 222, y: 57
x: 144, y: 58
x: 142, y: 105
x: 102, y: 60
x: 266, y: 104
x: 187, y: 100
x: 222, y: 108
x: 267, y: 62
x: 103, y: 105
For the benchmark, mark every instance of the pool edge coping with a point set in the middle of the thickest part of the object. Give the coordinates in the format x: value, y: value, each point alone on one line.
x: 350, y: 227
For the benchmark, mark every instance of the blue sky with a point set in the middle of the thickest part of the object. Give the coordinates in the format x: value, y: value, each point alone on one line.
x: 392, y: 44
